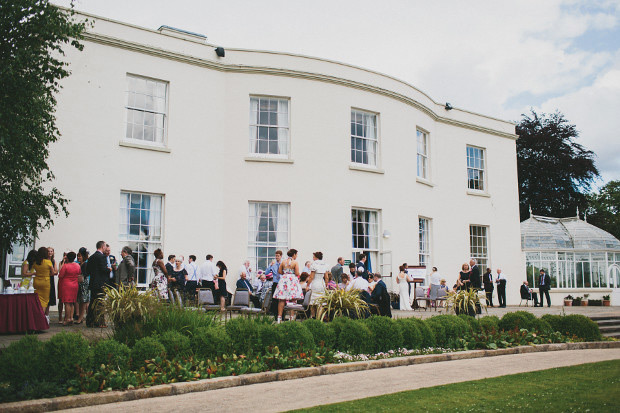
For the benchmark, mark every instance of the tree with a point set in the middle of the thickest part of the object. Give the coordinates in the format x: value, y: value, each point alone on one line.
x: 555, y: 172
x: 32, y: 36
x: 604, y: 208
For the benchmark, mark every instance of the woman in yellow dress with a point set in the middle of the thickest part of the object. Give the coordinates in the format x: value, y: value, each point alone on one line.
x: 27, y: 270
x: 44, y: 270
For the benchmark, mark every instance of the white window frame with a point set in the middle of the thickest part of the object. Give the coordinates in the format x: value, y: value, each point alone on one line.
x: 360, y: 138
x: 476, y: 168
x: 142, y: 245
x: 135, y: 110
x: 425, y: 242
x: 373, y: 239
x: 479, y: 252
x: 281, y: 242
x: 423, y: 155
x: 15, y: 259
x: 283, y: 145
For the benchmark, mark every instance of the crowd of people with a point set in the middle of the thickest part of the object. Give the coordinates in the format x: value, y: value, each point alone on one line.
x: 82, y: 278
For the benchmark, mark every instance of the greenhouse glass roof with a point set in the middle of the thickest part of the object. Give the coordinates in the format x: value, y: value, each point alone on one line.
x: 545, y: 233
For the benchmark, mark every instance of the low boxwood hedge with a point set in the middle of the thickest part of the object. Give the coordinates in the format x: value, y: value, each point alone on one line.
x: 574, y: 325
x: 523, y: 319
x: 176, y: 344
x: 412, y: 337
x: 294, y: 336
x: 146, y: 348
x: 22, y: 361
x: 64, y: 353
x: 210, y: 342
x: 323, y: 335
x: 387, y: 335
x: 111, y: 353
x: 355, y: 337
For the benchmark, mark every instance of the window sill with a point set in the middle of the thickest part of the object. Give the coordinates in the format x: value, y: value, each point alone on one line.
x: 143, y: 146
x: 425, y: 182
x: 478, y: 193
x: 267, y: 159
x: 355, y: 167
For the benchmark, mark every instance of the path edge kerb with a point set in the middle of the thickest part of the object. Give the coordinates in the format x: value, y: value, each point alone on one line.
x: 94, y: 399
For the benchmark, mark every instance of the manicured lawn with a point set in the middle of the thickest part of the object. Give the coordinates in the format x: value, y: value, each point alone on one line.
x: 588, y: 387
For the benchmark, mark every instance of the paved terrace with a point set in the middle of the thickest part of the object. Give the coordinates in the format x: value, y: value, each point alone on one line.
x: 100, y: 333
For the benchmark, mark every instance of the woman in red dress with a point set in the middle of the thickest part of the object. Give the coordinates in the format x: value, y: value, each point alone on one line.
x: 68, y: 285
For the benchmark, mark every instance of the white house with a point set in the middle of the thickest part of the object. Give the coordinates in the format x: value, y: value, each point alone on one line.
x: 166, y: 144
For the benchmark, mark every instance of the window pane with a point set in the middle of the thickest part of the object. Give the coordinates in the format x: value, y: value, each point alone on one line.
x: 146, y: 109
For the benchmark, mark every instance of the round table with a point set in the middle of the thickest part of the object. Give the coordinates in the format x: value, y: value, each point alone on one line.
x: 20, y: 313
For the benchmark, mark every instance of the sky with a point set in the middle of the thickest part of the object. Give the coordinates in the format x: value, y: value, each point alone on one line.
x: 495, y: 57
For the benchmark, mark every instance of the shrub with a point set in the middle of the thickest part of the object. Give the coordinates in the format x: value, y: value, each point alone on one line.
x: 474, y: 325
x: 244, y: 335
x: 269, y: 335
x: 294, y: 336
x: 176, y: 344
x: 125, y: 304
x: 111, y: 353
x: 574, y: 325
x: 489, y: 323
x: 518, y: 320
x: 336, y: 303
x: 337, y: 324
x: 321, y: 332
x: 355, y: 337
x: 22, y: 361
x: 428, y: 337
x: 387, y: 336
x: 146, y: 348
x: 454, y: 328
x: 412, y: 338
x: 210, y: 342
x: 66, y: 351
x: 187, y: 322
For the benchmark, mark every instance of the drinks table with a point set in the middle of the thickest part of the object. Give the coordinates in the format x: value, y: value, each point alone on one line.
x: 20, y: 313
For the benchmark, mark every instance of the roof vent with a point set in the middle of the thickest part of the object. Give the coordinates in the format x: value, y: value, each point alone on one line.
x: 182, y: 34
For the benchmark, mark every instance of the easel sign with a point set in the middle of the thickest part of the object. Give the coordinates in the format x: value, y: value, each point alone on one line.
x: 417, y: 272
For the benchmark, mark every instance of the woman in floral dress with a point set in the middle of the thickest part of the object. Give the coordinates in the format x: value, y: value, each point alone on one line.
x: 288, y: 288
x: 160, y: 279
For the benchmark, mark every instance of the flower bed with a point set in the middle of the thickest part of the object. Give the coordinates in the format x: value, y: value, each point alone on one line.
x: 172, y: 345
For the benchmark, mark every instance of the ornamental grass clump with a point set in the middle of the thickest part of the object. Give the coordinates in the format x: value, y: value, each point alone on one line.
x: 127, y: 304
x: 465, y: 301
x: 338, y: 303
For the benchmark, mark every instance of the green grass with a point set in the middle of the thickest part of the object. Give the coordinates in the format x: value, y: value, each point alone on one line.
x: 591, y: 387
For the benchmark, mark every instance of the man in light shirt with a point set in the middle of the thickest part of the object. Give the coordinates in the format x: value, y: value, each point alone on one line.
x: 191, y: 279
x: 206, y: 274
x: 247, y: 270
x: 500, y: 280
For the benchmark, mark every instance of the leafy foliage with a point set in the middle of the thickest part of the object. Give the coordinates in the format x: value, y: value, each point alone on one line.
x: 555, y: 172
x: 210, y: 342
x: 523, y: 320
x: 355, y: 337
x: 111, y: 353
x: 465, y: 301
x: 337, y: 303
x: 604, y: 208
x: 176, y: 344
x: 387, y: 335
x: 67, y: 352
x: 33, y: 36
x: 575, y: 325
x: 147, y: 348
x: 322, y: 334
x: 22, y: 361
x: 127, y: 304
x: 295, y: 336
x: 412, y: 337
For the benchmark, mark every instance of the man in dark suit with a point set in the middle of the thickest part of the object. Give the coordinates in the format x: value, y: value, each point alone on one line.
x: 244, y: 284
x: 99, y: 273
x: 381, y: 297
x: 475, y: 281
x: 526, y: 293
x: 487, y: 280
x: 544, y: 285
x: 361, y: 268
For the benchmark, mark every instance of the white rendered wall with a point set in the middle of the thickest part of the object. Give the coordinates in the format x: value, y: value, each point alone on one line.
x: 207, y: 181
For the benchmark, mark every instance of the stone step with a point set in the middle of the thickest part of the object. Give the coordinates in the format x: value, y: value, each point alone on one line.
x: 612, y: 329
x: 612, y: 335
x: 603, y: 323
x: 604, y: 317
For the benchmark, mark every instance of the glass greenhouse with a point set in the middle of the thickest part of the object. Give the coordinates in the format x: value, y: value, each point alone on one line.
x: 575, y: 254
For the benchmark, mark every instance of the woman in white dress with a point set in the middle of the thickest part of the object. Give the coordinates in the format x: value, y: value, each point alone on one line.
x: 403, y: 289
x: 316, y: 280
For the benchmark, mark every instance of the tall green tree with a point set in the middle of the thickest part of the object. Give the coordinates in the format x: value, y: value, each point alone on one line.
x: 555, y: 172
x: 604, y: 208
x: 33, y: 34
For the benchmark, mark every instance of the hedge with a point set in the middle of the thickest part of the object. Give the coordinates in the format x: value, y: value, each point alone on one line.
x: 146, y: 348
x: 387, y: 335
x: 112, y: 353
x: 63, y: 353
x: 412, y: 337
x: 574, y: 325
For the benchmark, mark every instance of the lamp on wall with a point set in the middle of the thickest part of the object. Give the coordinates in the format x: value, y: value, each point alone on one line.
x: 220, y: 51
x: 448, y: 106
x: 387, y: 234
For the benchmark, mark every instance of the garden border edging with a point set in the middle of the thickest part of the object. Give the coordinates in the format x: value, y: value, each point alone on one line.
x: 94, y: 399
